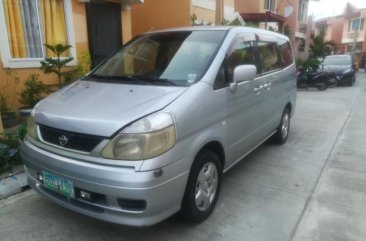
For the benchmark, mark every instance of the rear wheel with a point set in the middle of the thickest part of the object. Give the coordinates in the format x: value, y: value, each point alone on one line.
x: 203, y: 187
x: 322, y: 86
x: 283, y: 129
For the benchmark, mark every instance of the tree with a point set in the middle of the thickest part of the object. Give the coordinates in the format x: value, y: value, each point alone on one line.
x: 55, y: 65
x: 319, y: 47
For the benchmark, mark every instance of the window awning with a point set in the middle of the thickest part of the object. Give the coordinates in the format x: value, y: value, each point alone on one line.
x: 268, y: 16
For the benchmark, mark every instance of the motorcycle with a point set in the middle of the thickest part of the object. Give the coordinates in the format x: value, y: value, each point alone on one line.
x: 307, y: 78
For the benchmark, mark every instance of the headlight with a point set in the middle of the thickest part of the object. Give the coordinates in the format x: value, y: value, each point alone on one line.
x: 144, y: 139
x: 347, y: 71
x: 32, y: 128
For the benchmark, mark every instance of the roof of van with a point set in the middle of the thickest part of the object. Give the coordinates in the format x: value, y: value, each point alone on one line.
x: 200, y: 28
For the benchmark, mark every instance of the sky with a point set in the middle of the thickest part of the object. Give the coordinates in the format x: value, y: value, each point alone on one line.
x: 327, y: 8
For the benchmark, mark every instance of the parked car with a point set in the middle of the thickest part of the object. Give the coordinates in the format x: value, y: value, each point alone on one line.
x: 150, y: 131
x: 340, y: 67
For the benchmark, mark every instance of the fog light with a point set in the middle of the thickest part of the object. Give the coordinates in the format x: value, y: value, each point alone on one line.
x: 40, y: 177
x: 85, y: 195
x: 132, y: 205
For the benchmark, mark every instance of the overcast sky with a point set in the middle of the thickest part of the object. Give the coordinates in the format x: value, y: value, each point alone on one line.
x: 327, y: 8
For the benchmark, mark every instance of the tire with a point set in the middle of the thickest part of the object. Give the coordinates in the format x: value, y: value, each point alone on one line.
x: 322, y: 86
x: 283, y: 129
x: 332, y: 82
x: 203, y: 187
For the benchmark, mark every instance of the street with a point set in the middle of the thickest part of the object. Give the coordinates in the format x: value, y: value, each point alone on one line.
x: 313, y: 188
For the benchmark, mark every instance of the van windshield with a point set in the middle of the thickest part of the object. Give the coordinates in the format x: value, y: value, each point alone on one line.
x: 169, y: 58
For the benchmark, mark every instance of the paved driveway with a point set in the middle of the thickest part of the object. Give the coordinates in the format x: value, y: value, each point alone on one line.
x: 313, y: 188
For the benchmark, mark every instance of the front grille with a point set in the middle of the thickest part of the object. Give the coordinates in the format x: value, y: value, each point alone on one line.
x: 68, y: 139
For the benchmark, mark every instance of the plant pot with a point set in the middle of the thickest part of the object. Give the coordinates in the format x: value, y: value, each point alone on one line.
x: 9, y: 119
x: 25, y: 111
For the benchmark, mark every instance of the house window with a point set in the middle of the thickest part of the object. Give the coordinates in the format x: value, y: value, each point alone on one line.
x: 28, y: 25
x: 303, y: 11
x: 270, y: 5
x: 355, y: 24
x: 323, y: 29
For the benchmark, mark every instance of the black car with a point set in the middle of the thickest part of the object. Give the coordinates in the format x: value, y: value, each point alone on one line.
x: 340, y: 67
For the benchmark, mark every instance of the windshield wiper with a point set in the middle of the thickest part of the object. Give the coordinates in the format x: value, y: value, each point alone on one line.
x: 155, y: 81
x: 140, y: 79
x: 126, y: 78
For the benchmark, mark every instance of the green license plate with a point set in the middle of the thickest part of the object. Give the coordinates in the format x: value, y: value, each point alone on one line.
x: 58, y: 184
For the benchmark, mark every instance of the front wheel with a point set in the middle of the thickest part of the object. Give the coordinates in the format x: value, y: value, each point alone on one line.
x: 203, y: 187
x: 332, y: 82
x: 283, y: 129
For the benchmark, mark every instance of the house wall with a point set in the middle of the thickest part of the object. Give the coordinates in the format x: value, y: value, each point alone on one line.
x: 12, y: 80
x: 155, y: 15
x: 348, y: 37
x: 249, y: 6
x: 205, y: 10
x: 363, y: 15
x: 13, y: 84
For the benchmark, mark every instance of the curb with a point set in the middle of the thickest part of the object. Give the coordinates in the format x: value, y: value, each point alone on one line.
x: 13, y: 184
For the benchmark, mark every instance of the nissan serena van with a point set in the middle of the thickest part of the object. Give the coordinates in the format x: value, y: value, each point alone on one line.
x: 150, y: 131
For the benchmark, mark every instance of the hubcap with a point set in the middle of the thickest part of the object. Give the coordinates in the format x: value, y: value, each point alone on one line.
x: 285, y: 125
x: 206, y: 186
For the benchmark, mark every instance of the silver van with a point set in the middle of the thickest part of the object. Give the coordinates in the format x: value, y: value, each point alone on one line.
x: 150, y: 131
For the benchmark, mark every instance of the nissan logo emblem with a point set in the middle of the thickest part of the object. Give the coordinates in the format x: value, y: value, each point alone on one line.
x: 63, y: 140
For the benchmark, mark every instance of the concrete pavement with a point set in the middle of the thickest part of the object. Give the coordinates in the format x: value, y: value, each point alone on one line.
x: 311, y: 189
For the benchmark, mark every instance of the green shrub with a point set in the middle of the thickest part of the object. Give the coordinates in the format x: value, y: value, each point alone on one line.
x: 34, y: 91
x: 313, y: 63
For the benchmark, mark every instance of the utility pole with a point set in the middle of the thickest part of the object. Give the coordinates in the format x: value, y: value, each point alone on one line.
x: 219, y: 12
x: 1, y: 126
x: 354, y: 45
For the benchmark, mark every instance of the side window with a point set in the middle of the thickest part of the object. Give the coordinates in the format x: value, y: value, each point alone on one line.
x: 221, y: 80
x: 268, y: 56
x: 242, y: 53
x: 286, y: 56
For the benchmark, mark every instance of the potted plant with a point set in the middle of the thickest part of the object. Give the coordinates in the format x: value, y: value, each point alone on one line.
x: 8, y: 117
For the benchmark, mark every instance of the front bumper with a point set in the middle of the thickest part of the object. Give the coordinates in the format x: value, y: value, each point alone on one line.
x: 346, y: 78
x: 162, y: 194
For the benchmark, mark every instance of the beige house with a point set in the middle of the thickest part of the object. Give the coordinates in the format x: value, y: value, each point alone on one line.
x: 347, y: 30
x: 284, y: 16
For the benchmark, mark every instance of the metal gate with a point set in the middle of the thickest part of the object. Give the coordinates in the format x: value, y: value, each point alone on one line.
x: 104, y: 29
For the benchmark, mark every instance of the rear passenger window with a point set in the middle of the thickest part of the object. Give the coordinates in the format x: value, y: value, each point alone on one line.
x: 242, y: 53
x: 268, y: 56
x: 285, y: 53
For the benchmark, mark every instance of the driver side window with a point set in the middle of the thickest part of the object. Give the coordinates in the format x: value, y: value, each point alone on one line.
x: 242, y: 53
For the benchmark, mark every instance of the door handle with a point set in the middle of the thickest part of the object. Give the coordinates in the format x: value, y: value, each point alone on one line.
x: 258, y: 88
x: 268, y: 85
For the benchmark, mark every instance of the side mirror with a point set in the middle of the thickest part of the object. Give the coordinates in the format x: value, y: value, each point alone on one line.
x: 242, y: 73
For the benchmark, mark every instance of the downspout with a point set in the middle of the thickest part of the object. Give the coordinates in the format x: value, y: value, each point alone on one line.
x: 1, y: 125
x: 219, y: 12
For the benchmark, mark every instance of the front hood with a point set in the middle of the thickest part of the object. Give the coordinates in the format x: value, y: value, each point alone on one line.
x: 336, y: 68
x: 102, y: 108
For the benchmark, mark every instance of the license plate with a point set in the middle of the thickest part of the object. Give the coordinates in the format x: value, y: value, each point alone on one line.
x: 58, y: 184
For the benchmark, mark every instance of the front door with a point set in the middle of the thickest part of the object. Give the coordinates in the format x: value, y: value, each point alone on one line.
x: 244, y: 117
x: 104, y: 29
